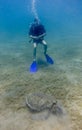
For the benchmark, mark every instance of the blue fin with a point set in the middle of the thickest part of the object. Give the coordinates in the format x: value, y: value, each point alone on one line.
x: 33, y: 67
x: 49, y: 59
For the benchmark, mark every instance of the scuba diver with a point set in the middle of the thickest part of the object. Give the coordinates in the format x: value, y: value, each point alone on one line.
x: 37, y: 33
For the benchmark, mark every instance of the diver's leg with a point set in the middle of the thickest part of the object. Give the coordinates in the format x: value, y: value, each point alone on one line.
x: 34, y: 51
x: 45, y: 46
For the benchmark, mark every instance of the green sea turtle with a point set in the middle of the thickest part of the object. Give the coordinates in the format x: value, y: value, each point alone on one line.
x: 38, y: 102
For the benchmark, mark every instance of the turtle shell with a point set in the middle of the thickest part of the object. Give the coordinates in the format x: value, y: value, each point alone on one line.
x: 39, y: 101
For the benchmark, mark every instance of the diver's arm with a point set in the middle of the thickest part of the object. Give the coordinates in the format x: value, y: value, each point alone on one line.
x: 42, y: 35
x: 34, y: 37
x: 37, y: 37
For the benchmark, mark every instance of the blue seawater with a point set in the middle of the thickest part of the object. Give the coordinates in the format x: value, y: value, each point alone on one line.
x: 61, y: 18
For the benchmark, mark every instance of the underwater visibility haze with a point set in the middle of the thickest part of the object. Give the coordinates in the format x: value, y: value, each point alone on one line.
x: 63, y: 80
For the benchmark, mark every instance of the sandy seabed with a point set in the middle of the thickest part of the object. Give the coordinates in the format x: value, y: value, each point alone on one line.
x: 63, y: 81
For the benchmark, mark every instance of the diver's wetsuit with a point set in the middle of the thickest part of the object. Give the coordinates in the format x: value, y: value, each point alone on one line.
x: 37, y: 33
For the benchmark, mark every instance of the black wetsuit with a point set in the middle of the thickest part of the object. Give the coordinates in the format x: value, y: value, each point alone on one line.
x: 37, y: 33
x: 37, y: 30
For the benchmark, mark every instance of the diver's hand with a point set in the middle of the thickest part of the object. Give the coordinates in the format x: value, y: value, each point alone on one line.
x: 30, y: 40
